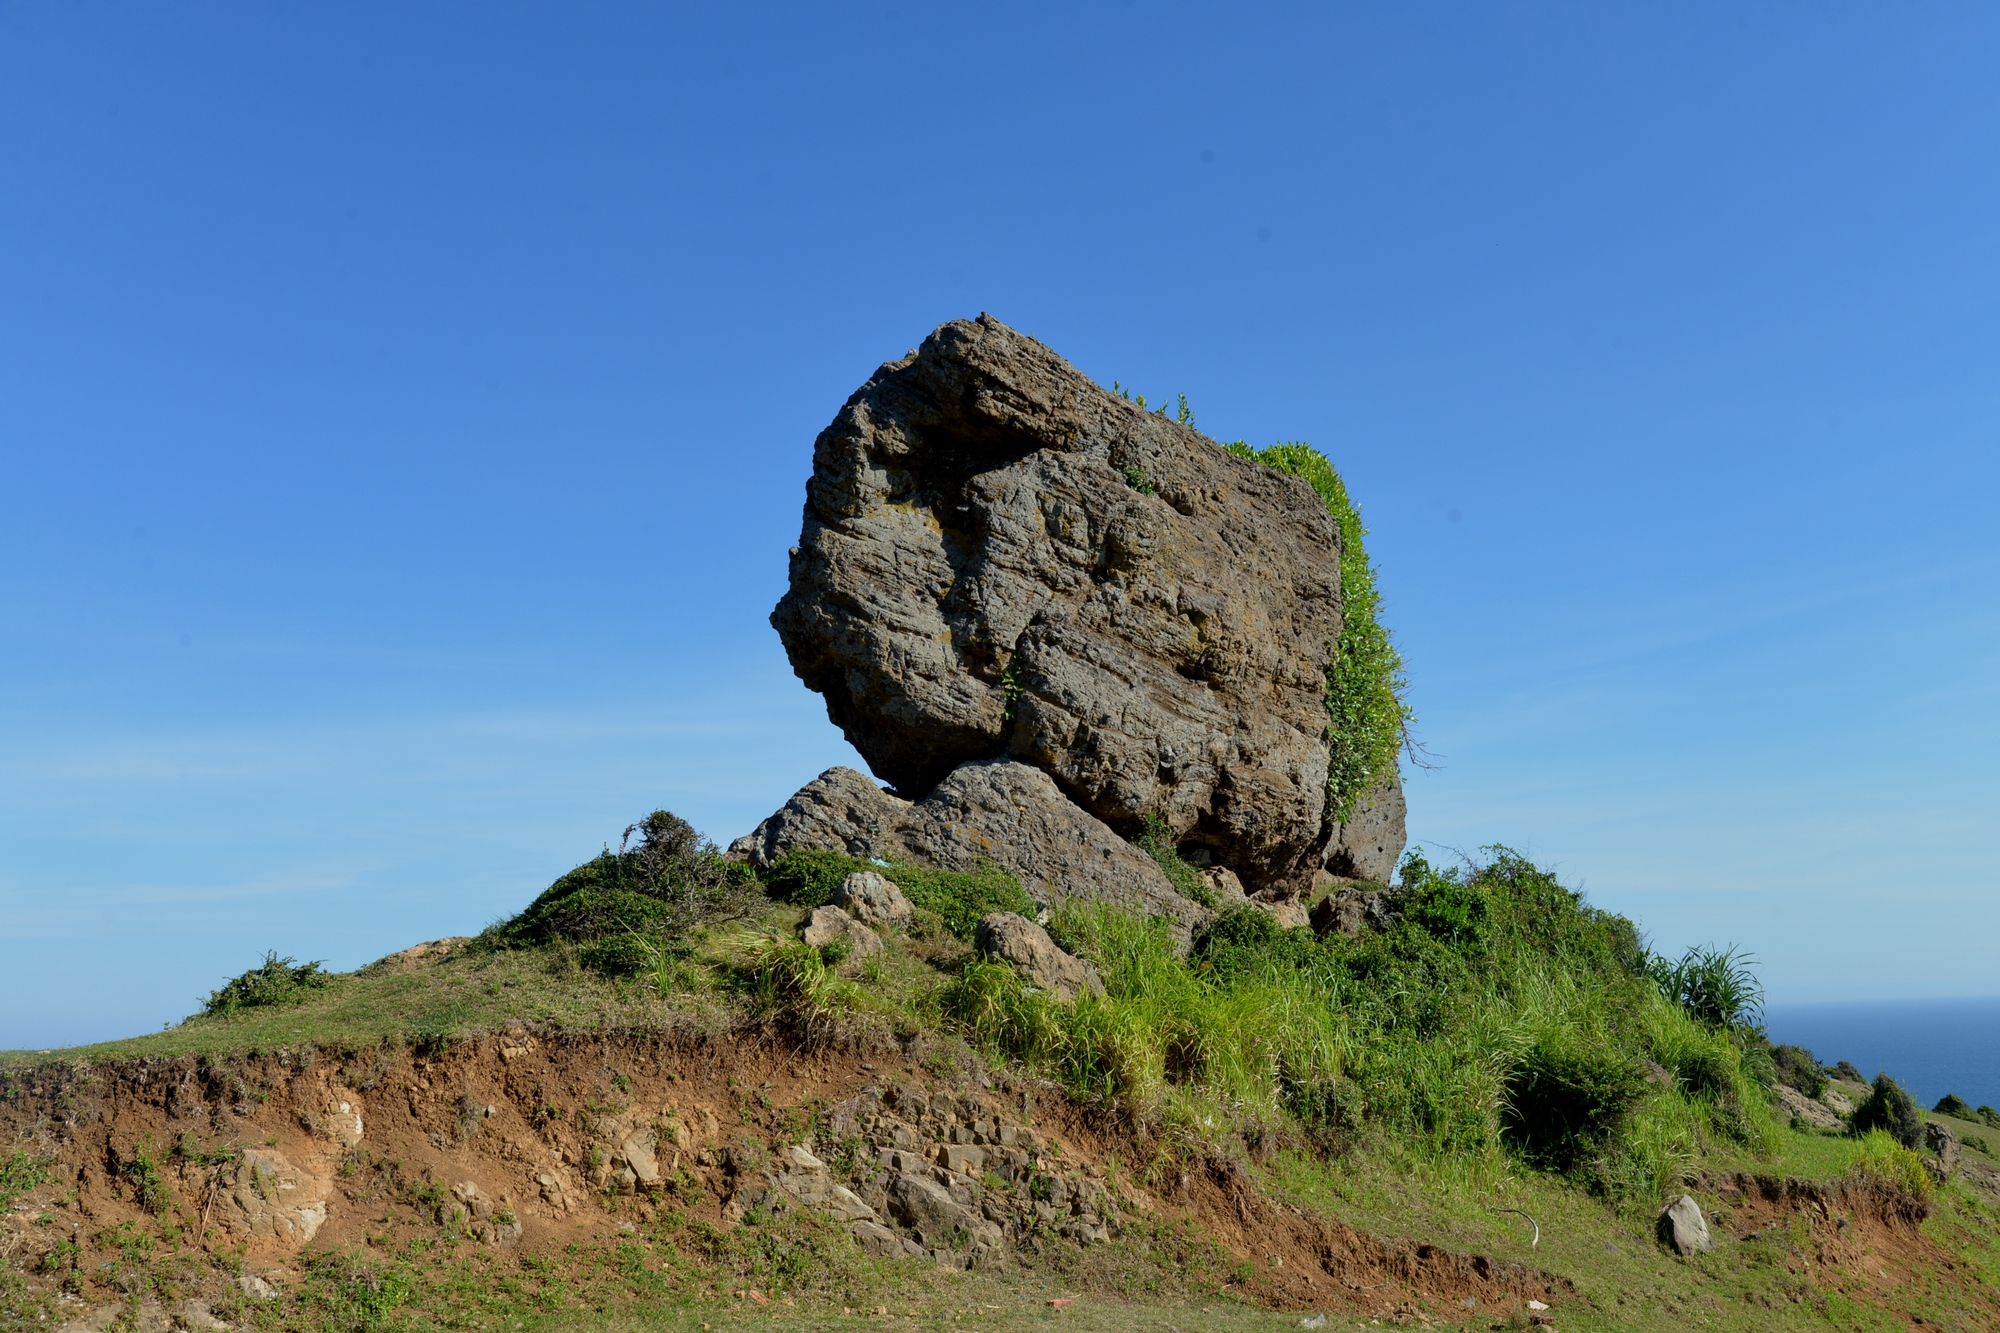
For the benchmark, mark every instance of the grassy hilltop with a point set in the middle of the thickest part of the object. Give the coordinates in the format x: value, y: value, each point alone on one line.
x: 1503, y: 1070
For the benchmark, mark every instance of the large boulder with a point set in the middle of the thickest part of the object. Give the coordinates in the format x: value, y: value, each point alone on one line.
x: 1000, y: 812
x: 1001, y: 559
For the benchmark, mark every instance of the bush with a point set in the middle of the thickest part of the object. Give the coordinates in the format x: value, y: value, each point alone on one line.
x: 1368, y: 715
x: 1797, y: 1069
x: 1953, y: 1105
x: 277, y: 981
x: 1893, y: 1111
x: 626, y: 908
x: 1849, y: 1072
x: 959, y: 897
x: 1988, y: 1115
x: 1567, y: 1094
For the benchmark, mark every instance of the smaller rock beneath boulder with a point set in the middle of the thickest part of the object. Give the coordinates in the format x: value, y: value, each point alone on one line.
x: 1288, y: 910
x: 1801, y: 1107
x: 830, y: 925
x: 1683, y: 1227
x: 1839, y: 1102
x: 1351, y: 910
x: 1941, y: 1141
x: 867, y: 897
x: 1028, y: 947
x: 256, y: 1287
x: 878, y: 1240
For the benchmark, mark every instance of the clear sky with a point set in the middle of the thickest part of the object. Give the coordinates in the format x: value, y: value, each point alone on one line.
x: 405, y: 411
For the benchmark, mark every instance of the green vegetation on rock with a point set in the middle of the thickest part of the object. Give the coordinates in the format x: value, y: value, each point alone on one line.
x: 1368, y: 712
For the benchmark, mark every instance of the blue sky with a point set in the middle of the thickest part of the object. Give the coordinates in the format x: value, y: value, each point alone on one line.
x: 405, y: 412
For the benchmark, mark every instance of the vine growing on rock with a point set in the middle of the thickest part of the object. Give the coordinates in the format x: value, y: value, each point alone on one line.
x: 1367, y: 705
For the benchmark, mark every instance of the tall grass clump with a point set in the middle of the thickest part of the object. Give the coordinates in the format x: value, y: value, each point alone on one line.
x: 638, y: 908
x: 1500, y: 1016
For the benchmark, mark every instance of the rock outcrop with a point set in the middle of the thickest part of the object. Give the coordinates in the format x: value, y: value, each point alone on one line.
x: 1039, y: 959
x: 831, y: 925
x: 1002, y: 812
x: 1368, y: 845
x: 1801, y: 1107
x: 1001, y: 560
x: 1683, y: 1227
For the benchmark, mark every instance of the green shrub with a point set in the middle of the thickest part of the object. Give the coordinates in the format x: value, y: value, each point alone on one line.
x: 1890, y: 1109
x: 625, y: 910
x: 1989, y: 1116
x: 1849, y: 1072
x: 1566, y: 1095
x: 959, y: 897
x: 276, y: 981
x: 808, y: 878
x: 1953, y: 1105
x: 1368, y: 715
x: 1503, y: 1012
x: 1796, y: 1068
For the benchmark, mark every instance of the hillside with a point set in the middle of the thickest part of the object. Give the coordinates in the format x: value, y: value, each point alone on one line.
x: 474, y: 1135
x: 1124, y: 1006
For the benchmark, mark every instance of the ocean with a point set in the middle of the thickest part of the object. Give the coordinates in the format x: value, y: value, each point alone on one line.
x: 1931, y: 1047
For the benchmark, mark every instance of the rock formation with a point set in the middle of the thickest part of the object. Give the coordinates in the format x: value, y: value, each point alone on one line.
x: 1044, y: 963
x: 1001, y: 812
x: 1001, y: 559
x: 1369, y: 843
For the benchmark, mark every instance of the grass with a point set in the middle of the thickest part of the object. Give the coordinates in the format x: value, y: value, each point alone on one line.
x: 1503, y: 1046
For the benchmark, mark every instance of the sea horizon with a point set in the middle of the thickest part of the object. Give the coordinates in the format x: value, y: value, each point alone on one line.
x: 1931, y: 1046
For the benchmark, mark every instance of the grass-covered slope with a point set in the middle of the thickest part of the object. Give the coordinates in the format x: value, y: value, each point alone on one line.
x: 1502, y: 1057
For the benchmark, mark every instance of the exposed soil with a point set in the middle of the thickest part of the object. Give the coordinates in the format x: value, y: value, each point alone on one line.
x: 507, y: 1135
x: 1863, y: 1239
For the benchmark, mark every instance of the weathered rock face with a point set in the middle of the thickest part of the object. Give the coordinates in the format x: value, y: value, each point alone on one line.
x: 1004, y: 812
x: 1683, y: 1227
x: 1370, y: 842
x: 1001, y: 559
x: 262, y: 1196
x: 868, y: 897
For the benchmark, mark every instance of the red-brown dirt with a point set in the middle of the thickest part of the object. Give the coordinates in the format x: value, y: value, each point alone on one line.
x: 516, y: 1115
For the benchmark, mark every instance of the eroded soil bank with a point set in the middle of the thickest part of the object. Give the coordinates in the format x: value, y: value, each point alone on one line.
x: 528, y: 1143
